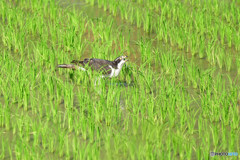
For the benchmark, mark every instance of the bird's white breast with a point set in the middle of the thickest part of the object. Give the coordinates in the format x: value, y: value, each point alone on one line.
x: 115, y: 72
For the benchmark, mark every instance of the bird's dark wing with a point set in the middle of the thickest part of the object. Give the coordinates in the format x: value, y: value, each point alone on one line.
x: 100, y: 65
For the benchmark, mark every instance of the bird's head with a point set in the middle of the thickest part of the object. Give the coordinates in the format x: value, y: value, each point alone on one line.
x: 120, y: 61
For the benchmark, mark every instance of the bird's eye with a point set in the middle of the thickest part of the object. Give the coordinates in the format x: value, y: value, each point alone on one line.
x: 124, y: 59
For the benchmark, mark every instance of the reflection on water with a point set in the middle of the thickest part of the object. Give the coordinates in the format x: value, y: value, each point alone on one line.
x: 121, y: 84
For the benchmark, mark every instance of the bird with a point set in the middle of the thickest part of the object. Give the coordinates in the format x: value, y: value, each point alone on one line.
x: 107, y: 68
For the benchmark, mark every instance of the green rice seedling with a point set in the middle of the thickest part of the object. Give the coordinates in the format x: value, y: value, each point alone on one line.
x: 51, y: 147
x: 68, y: 96
x: 224, y: 135
x: 235, y: 118
x: 2, y: 117
x: 232, y: 143
x: 127, y: 10
x: 105, y: 3
x: 206, y: 80
x: 220, y: 57
x: 100, y: 3
x: 237, y: 140
x: 201, y: 48
x: 168, y: 62
x: 138, y: 18
x: 228, y: 62
x: 2, y: 155
x: 222, y: 34
x: 131, y: 15
x: 36, y: 133
x: 90, y: 1
x: 122, y: 10
x: 193, y: 44
x: 114, y: 8
x: 147, y: 22
x: 145, y: 50
x: 172, y: 34
x: 44, y: 138
x: 209, y: 49
x: 75, y: 148
x: 61, y: 140
x: 236, y: 41
x: 229, y: 32
x: 7, y: 118
x: 84, y: 128
x: 193, y: 74
x: 10, y: 151
x: 182, y: 69
x: 160, y: 31
x: 205, y: 103
x: 238, y: 64
x: 4, y: 10
x: 189, y: 148
x: 191, y: 124
x: 215, y: 135
x: 66, y: 146
x: 181, y: 39
x: 69, y: 120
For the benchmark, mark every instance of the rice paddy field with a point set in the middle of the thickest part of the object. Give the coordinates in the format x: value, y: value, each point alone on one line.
x: 176, y: 98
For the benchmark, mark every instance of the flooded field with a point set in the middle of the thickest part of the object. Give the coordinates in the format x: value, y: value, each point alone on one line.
x: 176, y: 98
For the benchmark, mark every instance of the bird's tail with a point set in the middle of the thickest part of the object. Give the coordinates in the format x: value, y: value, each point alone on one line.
x: 71, y: 66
